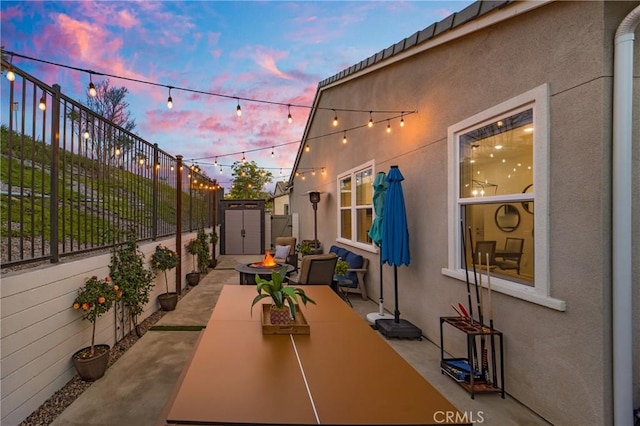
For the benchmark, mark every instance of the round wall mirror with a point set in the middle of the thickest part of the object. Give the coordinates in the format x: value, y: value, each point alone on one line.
x: 507, y: 218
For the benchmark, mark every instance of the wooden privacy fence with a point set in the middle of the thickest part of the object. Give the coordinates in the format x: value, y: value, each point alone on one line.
x: 71, y: 180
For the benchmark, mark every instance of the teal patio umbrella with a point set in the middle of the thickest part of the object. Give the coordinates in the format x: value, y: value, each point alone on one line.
x: 395, y: 250
x: 375, y: 233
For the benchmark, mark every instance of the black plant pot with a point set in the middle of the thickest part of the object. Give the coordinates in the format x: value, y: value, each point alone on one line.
x: 168, y: 301
x: 193, y: 278
x: 90, y: 369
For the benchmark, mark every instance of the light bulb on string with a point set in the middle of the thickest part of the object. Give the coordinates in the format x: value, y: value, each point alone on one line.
x: 169, y: 99
x: 323, y: 171
x: 244, y: 160
x: 402, y: 120
x: 370, y: 124
x: 215, y: 163
x: 280, y: 172
x: 307, y: 148
x: 10, y: 74
x: 118, y: 150
x: 172, y: 168
x: 86, y: 133
x: 313, y: 172
x: 289, y: 117
x: 344, y: 138
x: 271, y: 152
x: 43, y: 102
x: 335, y: 119
x: 238, y: 109
x: 92, y: 88
x: 388, y: 126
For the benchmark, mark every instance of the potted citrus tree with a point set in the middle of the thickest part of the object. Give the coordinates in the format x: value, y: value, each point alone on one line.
x: 284, y: 297
x: 193, y: 247
x: 94, y: 299
x: 164, y: 259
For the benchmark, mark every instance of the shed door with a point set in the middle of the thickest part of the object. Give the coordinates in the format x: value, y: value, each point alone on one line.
x: 233, y: 231
x: 252, y: 232
x: 243, y: 232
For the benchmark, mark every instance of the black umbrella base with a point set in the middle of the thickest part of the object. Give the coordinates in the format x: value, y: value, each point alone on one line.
x: 400, y: 330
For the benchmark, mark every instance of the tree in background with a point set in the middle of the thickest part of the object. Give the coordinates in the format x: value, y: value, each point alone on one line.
x: 249, y: 181
x: 104, y: 141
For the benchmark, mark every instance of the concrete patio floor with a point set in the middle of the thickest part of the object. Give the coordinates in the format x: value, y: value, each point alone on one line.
x: 134, y: 390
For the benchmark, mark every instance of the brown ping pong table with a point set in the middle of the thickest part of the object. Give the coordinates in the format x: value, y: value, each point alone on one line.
x: 238, y: 375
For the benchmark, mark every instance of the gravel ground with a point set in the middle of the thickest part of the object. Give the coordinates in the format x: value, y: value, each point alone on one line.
x: 59, y: 401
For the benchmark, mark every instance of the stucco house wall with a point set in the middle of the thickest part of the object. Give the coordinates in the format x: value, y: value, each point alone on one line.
x: 557, y: 361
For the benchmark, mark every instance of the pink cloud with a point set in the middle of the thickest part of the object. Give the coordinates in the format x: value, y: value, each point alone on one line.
x: 127, y: 20
x: 267, y: 60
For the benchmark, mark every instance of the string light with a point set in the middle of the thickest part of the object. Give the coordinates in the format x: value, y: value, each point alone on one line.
x: 402, y: 119
x: 215, y: 163
x: 324, y: 171
x: 117, y: 150
x: 370, y: 120
x: 307, y: 148
x: 172, y: 168
x: 244, y: 160
x: 238, y: 108
x: 86, y: 133
x: 222, y: 95
x: 289, y: 117
x: 313, y: 172
x: 335, y: 119
x: 272, y: 152
x: 388, y: 126
x: 10, y: 74
x: 141, y: 161
x: 92, y: 88
x: 169, y: 100
x: 43, y: 103
x: 344, y: 138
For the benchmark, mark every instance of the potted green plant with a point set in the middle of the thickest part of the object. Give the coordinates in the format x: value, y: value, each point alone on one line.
x: 193, y: 247
x: 164, y: 259
x: 342, y: 268
x: 204, y: 255
x: 284, y: 297
x: 94, y: 299
x: 304, y: 248
x: 213, y: 239
x: 127, y: 270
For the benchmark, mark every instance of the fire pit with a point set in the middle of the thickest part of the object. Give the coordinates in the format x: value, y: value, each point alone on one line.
x: 263, y: 269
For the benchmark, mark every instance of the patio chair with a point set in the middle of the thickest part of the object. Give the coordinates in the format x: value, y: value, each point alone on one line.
x: 292, y: 256
x: 316, y: 269
x: 510, y: 257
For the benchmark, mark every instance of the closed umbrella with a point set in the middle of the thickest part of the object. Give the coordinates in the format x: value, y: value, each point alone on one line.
x: 375, y: 233
x: 395, y: 250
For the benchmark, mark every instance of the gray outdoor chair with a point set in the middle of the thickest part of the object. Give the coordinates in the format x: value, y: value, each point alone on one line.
x: 316, y: 269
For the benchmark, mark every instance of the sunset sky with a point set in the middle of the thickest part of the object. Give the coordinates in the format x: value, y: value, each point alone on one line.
x: 267, y: 50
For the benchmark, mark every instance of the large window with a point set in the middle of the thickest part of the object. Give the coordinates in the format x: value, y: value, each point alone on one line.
x: 498, y: 173
x: 355, y: 209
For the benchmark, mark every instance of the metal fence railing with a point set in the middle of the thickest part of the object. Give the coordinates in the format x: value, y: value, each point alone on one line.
x: 70, y: 180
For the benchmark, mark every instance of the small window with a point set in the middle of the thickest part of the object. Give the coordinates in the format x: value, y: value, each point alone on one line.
x: 355, y: 209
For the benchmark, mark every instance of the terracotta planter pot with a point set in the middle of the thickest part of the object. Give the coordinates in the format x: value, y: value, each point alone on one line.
x: 193, y: 278
x: 168, y: 301
x: 90, y: 369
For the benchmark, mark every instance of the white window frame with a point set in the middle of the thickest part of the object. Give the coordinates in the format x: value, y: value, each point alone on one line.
x: 354, y: 226
x: 538, y: 100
